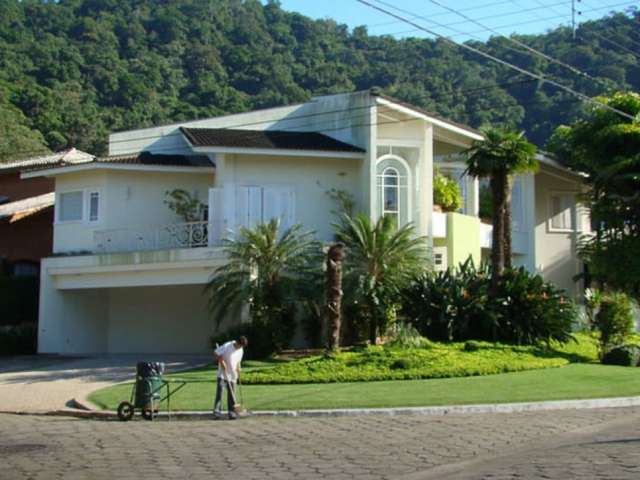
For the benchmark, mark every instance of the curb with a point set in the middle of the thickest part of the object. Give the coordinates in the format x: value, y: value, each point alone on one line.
x: 81, y: 411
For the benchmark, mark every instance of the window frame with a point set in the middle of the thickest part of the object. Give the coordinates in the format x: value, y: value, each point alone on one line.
x: 85, y: 217
x: 572, y: 211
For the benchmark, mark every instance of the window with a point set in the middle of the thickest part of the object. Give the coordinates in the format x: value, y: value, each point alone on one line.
x: 440, y: 259
x: 390, y: 194
x: 393, y: 189
x: 561, y: 206
x: 70, y: 207
x: 94, y: 206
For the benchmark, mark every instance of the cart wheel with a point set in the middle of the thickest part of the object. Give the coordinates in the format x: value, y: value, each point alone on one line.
x: 147, y: 414
x: 125, y: 411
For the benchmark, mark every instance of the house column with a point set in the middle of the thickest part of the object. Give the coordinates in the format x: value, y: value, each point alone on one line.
x: 369, y: 165
x: 425, y: 193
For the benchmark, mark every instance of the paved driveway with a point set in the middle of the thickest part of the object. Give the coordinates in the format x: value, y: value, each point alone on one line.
x: 563, y: 445
x: 44, y: 383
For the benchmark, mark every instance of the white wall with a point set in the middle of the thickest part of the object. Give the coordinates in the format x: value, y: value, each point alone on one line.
x: 555, y: 252
x: 128, y: 199
x: 310, y: 177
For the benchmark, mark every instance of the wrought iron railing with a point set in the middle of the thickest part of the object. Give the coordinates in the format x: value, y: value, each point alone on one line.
x: 158, y: 237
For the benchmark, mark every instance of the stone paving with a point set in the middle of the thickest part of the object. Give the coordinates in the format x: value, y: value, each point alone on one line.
x: 549, y: 444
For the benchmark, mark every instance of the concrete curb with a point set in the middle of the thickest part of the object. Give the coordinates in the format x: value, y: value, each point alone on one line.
x: 81, y: 410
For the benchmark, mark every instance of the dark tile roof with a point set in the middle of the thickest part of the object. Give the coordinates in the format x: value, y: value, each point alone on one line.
x: 148, y: 158
x: 277, y: 139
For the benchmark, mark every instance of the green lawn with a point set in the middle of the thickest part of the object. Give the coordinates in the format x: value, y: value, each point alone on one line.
x: 575, y: 381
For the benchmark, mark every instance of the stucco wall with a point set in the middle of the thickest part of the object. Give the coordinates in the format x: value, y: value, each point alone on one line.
x: 555, y: 256
x: 463, y: 238
x: 310, y: 177
x: 128, y: 199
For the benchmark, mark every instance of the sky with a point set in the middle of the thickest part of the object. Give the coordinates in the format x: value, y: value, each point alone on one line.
x: 504, y: 16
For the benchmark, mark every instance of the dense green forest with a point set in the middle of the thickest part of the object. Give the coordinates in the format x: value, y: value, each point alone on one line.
x: 73, y: 70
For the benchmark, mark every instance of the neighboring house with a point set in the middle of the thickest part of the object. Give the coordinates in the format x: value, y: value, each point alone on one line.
x: 26, y: 211
x: 128, y: 274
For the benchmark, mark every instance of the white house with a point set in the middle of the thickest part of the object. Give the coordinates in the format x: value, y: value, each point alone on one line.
x: 127, y: 274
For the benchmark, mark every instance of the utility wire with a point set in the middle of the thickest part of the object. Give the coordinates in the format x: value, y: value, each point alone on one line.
x: 518, y: 42
x: 500, y: 61
x: 518, y: 24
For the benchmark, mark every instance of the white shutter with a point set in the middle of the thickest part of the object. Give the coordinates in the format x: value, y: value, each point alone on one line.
x: 278, y: 202
x: 254, y: 204
x: 242, y: 208
x: 229, y: 208
x: 217, y: 227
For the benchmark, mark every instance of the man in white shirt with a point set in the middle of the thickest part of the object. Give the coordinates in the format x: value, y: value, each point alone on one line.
x: 228, y: 356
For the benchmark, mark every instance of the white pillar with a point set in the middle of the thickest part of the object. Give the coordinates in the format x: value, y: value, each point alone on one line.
x: 425, y: 194
x: 369, y: 165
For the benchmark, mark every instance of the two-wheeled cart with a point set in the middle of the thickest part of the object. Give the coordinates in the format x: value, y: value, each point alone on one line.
x: 149, y: 391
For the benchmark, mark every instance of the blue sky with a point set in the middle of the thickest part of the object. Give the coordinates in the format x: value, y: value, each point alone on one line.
x: 506, y: 16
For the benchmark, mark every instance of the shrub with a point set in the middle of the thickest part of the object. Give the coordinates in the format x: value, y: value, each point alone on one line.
x: 614, y: 320
x: 530, y: 310
x: 446, y: 193
x: 261, y: 339
x: 451, y: 305
x: 404, y: 335
x: 471, y: 346
x: 19, y: 340
x: 457, y: 306
x: 624, y: 355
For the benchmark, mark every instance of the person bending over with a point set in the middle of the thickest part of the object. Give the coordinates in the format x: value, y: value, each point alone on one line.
x: 229, y: 357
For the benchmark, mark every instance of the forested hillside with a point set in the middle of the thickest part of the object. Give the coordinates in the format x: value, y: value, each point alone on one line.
x: 73, y: 70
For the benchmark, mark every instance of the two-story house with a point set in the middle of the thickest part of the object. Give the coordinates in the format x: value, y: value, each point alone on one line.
x: 127, y: 273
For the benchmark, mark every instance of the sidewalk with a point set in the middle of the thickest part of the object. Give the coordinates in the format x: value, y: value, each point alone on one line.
x: 37, y: 384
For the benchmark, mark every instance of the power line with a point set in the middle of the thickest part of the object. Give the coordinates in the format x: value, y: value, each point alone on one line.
x: 501, y: 62
x: 518, y: 42
x: 518, y: 24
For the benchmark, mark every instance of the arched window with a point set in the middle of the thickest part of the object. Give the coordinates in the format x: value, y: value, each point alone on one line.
x: 393, y: 189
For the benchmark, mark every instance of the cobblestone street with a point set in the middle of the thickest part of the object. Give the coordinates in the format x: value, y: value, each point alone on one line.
x: 553, y: 444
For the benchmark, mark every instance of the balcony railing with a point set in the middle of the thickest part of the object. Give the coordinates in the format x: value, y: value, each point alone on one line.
x: 158, y: 237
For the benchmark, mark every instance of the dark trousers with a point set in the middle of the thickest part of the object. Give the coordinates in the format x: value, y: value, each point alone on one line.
x: 231, y: 397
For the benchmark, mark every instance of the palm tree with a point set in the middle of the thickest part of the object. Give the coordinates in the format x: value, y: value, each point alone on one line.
x: 499, y: 156
x: 380, y: 260
x: 264, y: 270
x: 334, y: 293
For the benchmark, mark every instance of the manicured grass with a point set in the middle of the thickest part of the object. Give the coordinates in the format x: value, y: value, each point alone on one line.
x: 575, y: 381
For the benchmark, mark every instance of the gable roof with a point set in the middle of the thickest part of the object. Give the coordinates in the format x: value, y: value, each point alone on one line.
x: 265, y: 139
x: 70, y: 156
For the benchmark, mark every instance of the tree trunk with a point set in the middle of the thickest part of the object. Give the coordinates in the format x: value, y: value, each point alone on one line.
x: 335, y: 256
x: 497, y: 185
x: 508, y: 217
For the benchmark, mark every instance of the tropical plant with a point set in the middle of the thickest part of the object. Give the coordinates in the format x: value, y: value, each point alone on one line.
x: 381, y: 260
x: 264, y: 270
x: 446, y: 193
x: 623, y: 355
x: 499, y: 156
x: 184, y: 205
x: 451, y: 305
x: 614, y: 320
x: 456, y: 305
x: 334, y: 293
x: 530, y: 310
x: 606, y: 147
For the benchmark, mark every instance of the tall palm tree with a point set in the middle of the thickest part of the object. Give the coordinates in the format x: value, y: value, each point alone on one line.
x: 381, y: 259
x: 264, y: 269
x: 502, y: 154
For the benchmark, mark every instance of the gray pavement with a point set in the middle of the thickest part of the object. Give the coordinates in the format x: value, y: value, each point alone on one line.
x: 567, y: 444
x: 44, y: 383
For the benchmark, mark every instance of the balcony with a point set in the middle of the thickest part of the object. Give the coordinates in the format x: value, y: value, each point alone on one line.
x: 159, y: 237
